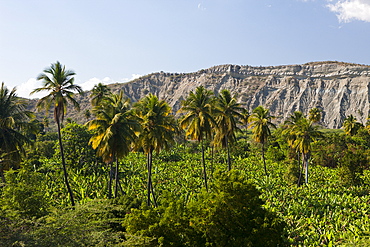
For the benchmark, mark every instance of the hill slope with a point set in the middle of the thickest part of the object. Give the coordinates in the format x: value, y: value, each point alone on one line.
x: 339, y: 89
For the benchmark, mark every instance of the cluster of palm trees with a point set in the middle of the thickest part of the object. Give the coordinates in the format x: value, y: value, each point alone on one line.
x: 148, y: 125
x: 218, y: 118
x: 120, y: 128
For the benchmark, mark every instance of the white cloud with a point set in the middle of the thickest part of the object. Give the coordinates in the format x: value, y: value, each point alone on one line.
x: 27, y: 87
x: 133, y: 77
x: 349, y: 10
x: 89, y: 84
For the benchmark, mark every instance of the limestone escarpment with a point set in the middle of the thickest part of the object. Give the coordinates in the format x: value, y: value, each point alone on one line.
x: 339, y: 89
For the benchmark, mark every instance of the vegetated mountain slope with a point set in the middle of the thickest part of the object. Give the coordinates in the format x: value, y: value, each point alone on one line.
x: 339, y: 89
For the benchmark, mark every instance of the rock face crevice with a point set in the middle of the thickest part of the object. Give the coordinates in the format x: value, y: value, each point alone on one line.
x: 339, y: 89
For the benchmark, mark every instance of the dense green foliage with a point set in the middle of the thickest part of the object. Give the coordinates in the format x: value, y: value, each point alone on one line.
x: 324, y: 212
x: 231, y: 214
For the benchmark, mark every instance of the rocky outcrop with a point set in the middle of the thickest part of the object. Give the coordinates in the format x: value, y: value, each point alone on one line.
x: 339, y: 89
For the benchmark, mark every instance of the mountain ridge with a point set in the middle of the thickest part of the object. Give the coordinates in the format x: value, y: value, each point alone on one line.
x: 338, y: 88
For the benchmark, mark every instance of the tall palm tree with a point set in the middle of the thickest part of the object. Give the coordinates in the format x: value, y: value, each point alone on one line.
x: 59, y: 82
x: 98, y: 93
x: 198, y: 120
x: 158, y: 129
x: 288, y: 125
x: 351, y: 126
x: 314, y: 115
x: 305, y: 134
x: 14, y: 126
x: 260, y: 123
x: 114, y: 131
x: 227, y: 118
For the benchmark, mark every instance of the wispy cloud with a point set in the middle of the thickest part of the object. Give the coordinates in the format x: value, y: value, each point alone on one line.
x: 350, y: 10
x: 201, y: 7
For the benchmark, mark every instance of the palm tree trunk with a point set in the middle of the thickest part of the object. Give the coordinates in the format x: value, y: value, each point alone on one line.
x: 263, y: 158
x: 149, y: 183
x: 306, y: 167
x: 300, y: 167
x: 152, y: 191
x: 110, y: 180
x: 228, y: 155
x: 64, y: 166
x: 204, y: 166
x: 116, y: 179
x: 149, y: 178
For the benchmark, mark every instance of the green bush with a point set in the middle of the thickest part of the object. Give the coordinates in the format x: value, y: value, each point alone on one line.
x: 293, y: 171
x: 24, y: 195
x: 351, y: 168
x: 96, y: 223
x: 232, y: 214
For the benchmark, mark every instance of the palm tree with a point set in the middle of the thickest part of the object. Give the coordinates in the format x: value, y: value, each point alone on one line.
x: 98, y: 93
x: 198, y: 120
x: 304, y: 133
x: 351, y: 126
x: 314, y: 115
x: 291, y: 121
x: 59, y: 83
x: 289, y: 124
x: 13, y: 128
x: 227, y: 118
x: 260, y: 123
x: 244, y: 117
x: 158, y: 129
x: 294, y: 118
x: 114, y: 131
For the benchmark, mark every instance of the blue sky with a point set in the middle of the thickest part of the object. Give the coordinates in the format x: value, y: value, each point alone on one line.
x: 117, y: 40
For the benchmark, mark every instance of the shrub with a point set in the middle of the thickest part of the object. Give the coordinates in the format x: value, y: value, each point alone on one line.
x: 232, y: 214
x: 351, y: 167
x: 292, y: 172
x: 96, y: 223
x: 24, y: 196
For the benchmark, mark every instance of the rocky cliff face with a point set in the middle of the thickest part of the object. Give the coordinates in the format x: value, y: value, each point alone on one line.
x: 339, y: 89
